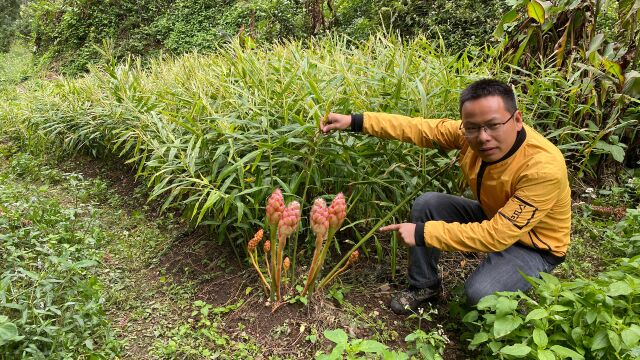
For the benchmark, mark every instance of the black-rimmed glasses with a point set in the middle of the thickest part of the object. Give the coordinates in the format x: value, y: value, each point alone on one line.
x: 490, y: 129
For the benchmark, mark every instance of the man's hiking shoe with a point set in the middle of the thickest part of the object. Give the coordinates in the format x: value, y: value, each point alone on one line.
x: 409, y: 300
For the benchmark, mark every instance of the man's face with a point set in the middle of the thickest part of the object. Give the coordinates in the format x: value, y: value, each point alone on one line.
x: 494, y: 141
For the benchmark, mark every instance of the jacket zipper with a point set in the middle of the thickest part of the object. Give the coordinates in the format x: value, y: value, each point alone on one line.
x: 483, y: 167
x: 522, y: 135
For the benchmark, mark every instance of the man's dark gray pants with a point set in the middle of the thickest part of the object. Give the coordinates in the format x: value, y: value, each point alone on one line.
x: 498, y: 272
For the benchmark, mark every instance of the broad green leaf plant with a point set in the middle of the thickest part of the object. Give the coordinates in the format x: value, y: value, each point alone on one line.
x: 580, y: 319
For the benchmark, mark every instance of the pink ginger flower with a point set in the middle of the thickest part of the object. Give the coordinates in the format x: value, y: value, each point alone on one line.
x: 290, y: 219
x: 275, y: 207
x: 319, y: 217
x: 337, y: 211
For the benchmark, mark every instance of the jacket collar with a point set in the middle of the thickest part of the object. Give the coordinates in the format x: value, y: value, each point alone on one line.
x: 520, y: 138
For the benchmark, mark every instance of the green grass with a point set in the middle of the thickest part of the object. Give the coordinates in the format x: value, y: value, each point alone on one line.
x: 77, y: 272
x: 16, y: 67
x: 51, y: 292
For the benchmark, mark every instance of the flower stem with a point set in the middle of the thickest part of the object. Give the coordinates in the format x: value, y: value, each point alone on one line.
x: 282, y: 241
x: 267, y: 288
x: 266, y: 261
x: 323, y: 254
x: 331, y: 276
x: 314, y: 263
x: 272, y: 234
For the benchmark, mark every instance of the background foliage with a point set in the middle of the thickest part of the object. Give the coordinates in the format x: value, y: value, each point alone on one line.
x: 213, y: 135
x: 64, y: 32
x: 592, y: 42
x: 595, y: 44
x: 9, y: 12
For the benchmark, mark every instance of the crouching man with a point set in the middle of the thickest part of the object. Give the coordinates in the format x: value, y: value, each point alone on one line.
x: 522, y: 213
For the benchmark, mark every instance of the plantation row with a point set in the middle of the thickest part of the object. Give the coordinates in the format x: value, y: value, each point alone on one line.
x: 213, y: 135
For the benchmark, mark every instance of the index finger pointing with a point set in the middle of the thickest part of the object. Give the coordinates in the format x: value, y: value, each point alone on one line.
x: 392, y: 227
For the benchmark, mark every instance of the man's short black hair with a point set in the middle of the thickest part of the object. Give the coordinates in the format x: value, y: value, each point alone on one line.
x: 489, y: 87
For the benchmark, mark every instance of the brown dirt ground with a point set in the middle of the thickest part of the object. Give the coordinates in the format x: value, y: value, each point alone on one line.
x: 370, y: 291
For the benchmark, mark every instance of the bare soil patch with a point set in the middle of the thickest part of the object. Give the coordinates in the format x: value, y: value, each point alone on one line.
x: 222, y: 280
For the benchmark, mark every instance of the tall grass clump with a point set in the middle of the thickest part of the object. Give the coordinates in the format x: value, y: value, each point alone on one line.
x: 212, y: 135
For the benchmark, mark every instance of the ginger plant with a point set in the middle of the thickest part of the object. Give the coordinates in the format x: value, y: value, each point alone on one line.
x: 275, y: 208
x: 253, y: 257
x: 283, y: 222
x: 286, y: 227
x: 324, y: 221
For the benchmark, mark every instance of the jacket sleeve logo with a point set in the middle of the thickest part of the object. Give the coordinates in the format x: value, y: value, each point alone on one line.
x: 518, y: 211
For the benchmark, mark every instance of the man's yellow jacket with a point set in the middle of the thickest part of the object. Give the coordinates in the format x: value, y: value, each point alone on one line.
x: 525, y: 195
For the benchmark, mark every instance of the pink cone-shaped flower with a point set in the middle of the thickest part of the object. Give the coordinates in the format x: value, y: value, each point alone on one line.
x: 275, y: 207
x: 286, y: 264
x: 290, y: 219
x: 319, y: 217
x: 337, y: 211
x: 267, y: 246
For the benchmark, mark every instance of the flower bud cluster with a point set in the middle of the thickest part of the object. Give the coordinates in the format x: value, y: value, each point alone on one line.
x: 337, y: 211
x: 256, y: 240
x: 319, y: 217
x: 275, y: 207
x: 353, y: 257
x: 290, y: 219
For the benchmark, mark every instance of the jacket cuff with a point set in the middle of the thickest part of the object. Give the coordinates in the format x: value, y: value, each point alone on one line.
x: 419, y: 235
x: 357, y: 122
